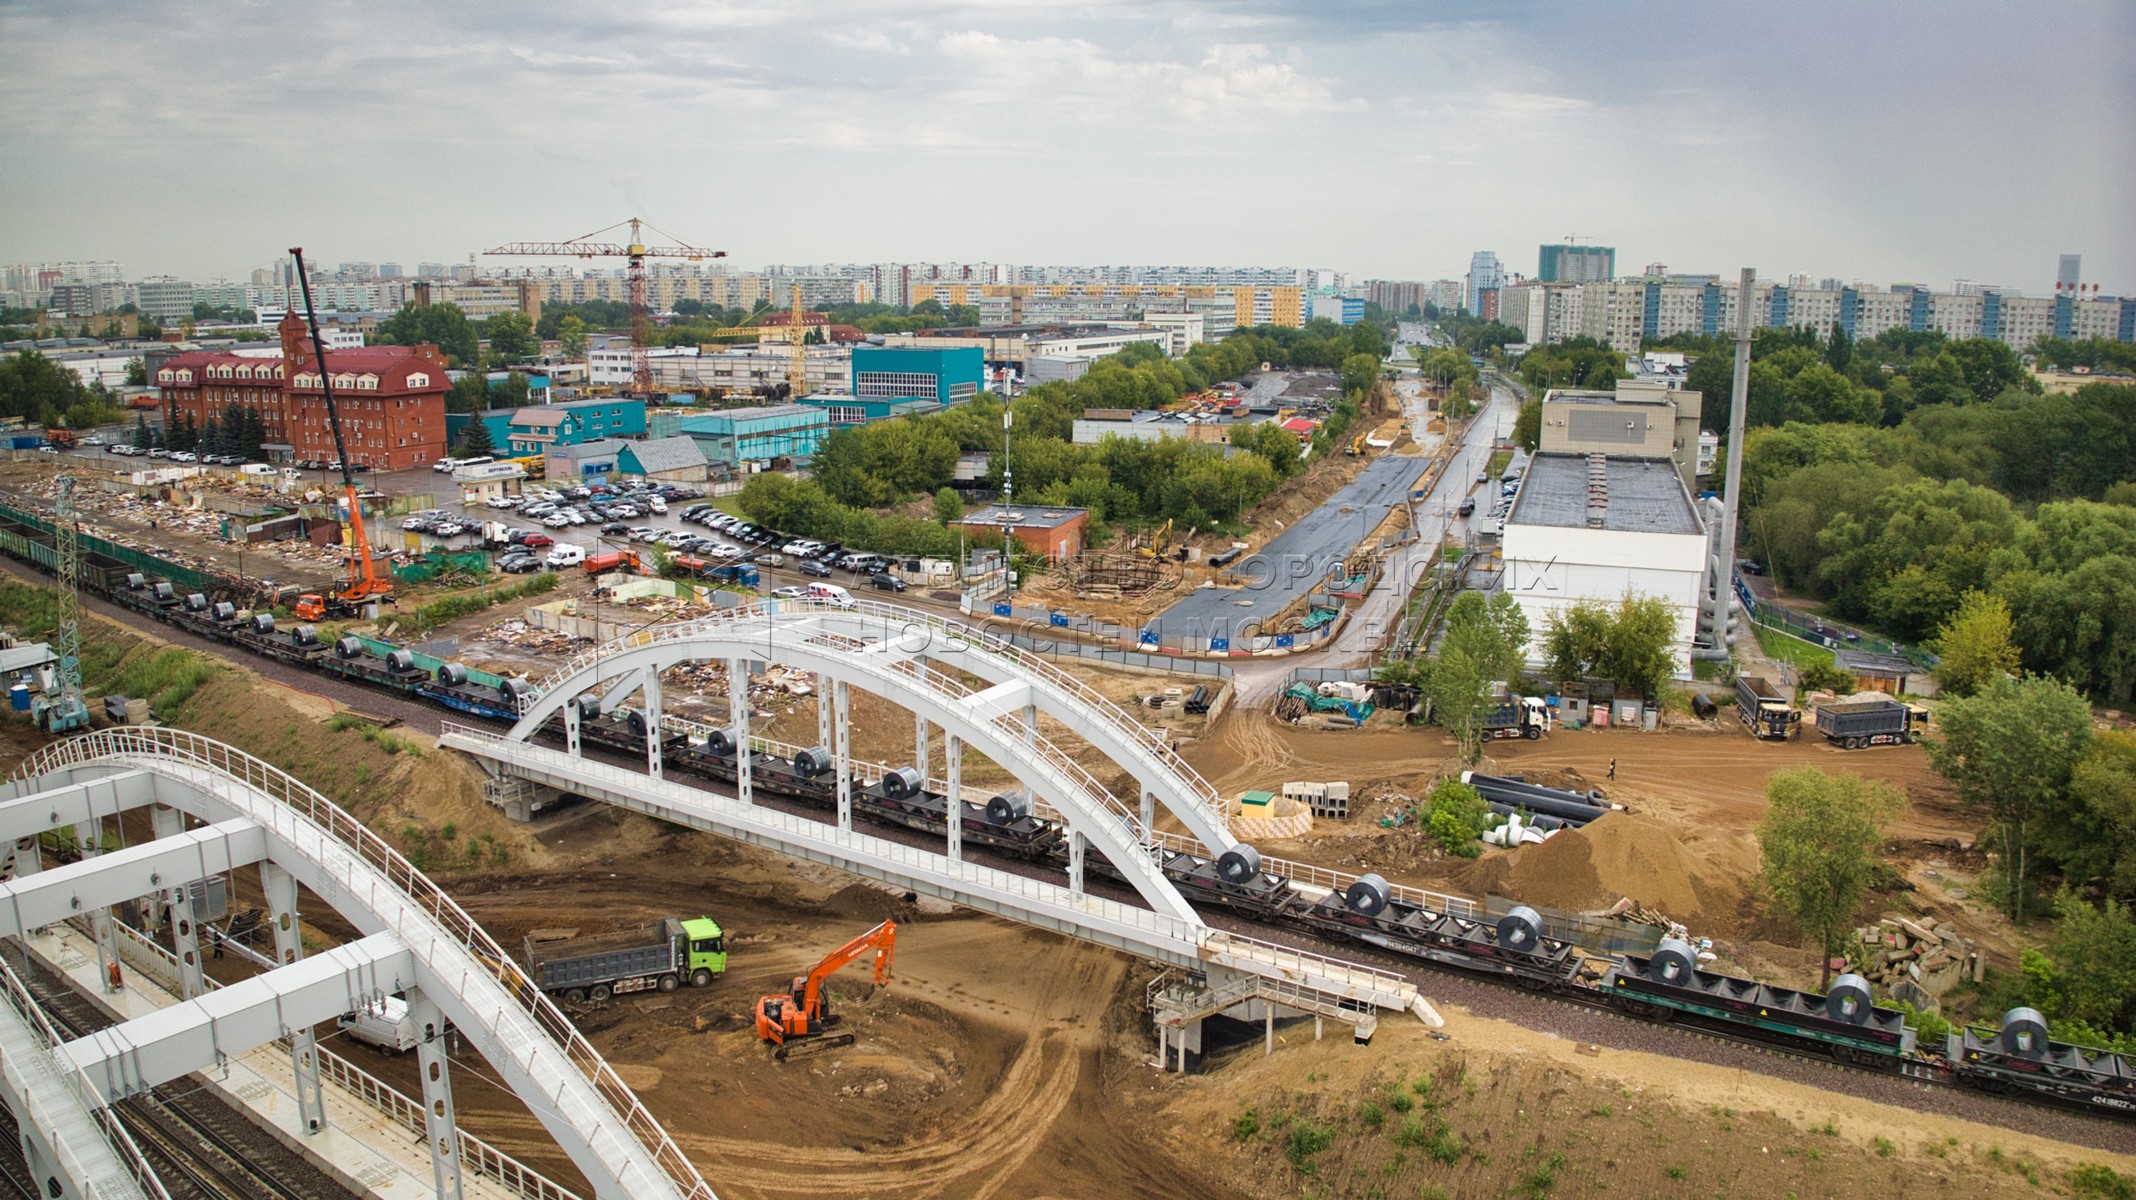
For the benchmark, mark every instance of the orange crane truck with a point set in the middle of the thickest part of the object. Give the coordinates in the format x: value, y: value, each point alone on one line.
x: 796, y: 1022
x: 365, y: 586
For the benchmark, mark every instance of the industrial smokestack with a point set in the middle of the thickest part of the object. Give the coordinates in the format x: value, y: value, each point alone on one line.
x: 1732, y: 496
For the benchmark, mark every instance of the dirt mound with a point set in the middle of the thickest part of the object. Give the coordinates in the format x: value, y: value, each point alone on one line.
x: 1620, y: 855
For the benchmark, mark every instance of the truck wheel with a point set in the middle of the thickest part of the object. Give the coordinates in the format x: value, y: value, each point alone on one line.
x: 1534, y: 732
x: 669, y: 983
x: 575, y: 996
x: 700, y: 977
x: 601, y: 992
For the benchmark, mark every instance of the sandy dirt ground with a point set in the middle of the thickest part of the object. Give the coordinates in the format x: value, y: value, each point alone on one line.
x: 1494, y: 1110
x: 1004, y: 1062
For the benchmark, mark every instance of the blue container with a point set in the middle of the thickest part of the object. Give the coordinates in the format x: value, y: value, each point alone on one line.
x: 18, y: 697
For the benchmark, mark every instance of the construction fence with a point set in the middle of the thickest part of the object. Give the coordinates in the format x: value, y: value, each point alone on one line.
x: 1824, y: 633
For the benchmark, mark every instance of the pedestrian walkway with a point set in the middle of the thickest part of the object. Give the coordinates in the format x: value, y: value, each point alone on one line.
x: 373, y: 1139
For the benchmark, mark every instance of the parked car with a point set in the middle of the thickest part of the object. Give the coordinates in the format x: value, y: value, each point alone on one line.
x: 790, y: 592
x: 535, y: 541
x: 566, y: 556
x: 810, y: 566
x: 769, y: 558
x: 518, y: 564
x: 886, y: 581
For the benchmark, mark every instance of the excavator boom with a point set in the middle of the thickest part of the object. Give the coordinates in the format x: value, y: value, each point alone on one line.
x: 882, y: 939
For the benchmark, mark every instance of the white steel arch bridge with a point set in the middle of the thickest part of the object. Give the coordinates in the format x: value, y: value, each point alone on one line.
x: 217, y: 809
x: 928, y: 665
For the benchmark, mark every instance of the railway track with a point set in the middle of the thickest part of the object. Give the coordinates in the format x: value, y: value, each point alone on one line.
x: 1912, y: 1085
x: 199, y: 1146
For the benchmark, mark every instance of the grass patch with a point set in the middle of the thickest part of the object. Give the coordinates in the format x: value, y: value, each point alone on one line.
x: 2096, y: 1182
x: 1790, y: 649
x: 1245, y: 1126
x: 1307, y: 1138
x: 467, y: 603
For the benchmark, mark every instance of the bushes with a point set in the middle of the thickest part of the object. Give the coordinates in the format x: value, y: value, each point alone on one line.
x: 1454, y: 815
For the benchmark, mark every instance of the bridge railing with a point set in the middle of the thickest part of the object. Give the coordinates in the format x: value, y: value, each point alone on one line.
x: 920, y: 863
x: 478, y: 1155
x: 1156, y: 756
x: 301, y: 801
x: 1316, y: 971
x: 107, y: 1120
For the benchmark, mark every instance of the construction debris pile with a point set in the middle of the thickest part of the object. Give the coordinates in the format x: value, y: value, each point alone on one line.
x: 516, y: 634
x: 777, y: 683
x: 154, y: 513
x: 1338, y: 705
x: 1932, y: 956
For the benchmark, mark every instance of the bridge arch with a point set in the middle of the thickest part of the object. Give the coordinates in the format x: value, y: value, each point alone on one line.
x: 411, y: 924
x: 918, y: 661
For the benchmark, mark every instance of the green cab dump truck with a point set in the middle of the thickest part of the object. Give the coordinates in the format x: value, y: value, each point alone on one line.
x: 662, y: 956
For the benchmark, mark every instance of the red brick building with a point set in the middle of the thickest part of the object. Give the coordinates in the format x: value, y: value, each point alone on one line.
x: 392, y: 398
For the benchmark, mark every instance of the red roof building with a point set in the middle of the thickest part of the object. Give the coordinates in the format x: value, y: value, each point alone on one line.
x: 1301, y: 426
x: 391, y: 398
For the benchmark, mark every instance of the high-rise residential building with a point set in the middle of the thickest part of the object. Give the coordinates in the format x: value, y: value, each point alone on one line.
x: 430, y: 270
x: 1564, y: 263
x: 165, y: 298
x: 2068, y: 274
x: 1485, y: 276
x: 1625, y: 312
x: 389, y: 270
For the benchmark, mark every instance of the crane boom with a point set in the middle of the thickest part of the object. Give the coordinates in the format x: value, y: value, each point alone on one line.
x: 636, y: 251
x: 364, y: 583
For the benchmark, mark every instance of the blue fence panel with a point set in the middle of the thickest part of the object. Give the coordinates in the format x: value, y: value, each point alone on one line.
x: 1285, y: 641
x: 1003, y: 610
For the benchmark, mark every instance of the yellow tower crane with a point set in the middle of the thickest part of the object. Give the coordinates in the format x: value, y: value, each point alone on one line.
x: 636, y: 251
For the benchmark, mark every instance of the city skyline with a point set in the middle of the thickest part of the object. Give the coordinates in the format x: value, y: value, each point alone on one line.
x: 1156, y: 133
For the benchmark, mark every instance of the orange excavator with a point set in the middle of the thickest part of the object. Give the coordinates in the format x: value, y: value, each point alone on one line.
x: 365, y: 585
x: 796, y: 1023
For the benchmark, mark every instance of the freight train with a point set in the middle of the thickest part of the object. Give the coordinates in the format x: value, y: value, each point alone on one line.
x: 2016, y: 1057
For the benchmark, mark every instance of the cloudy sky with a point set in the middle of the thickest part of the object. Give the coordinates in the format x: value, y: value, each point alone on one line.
x: 1868, y: 139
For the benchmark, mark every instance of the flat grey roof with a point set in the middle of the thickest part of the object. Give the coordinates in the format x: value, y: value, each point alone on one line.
x: 1024, y: 516
x: 1641, y: 495
x: 1862, y: 662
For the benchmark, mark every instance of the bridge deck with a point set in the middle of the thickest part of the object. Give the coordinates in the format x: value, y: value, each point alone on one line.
x: 1138, y: 931
x: 367, y: 1142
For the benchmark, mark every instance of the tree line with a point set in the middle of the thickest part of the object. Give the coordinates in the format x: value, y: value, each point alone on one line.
x: 35, y: 388
x: 2029, y: 498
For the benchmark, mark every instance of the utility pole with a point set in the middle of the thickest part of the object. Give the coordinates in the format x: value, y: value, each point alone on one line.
x: 1008, y: 497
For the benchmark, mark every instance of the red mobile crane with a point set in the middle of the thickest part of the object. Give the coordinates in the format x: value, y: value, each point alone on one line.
x: 365, y: 586
x: 796, y: 1021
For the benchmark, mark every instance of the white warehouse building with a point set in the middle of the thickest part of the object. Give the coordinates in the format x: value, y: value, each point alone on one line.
x: 1595, y: 527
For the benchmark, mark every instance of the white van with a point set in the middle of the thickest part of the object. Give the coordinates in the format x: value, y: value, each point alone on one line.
x: 830, y: 593
x: 566, y: 556
x: 385, y: 1025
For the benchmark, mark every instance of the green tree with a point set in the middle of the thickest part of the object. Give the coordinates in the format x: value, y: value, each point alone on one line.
x: 143, y: 437
x: 1818, y: 843
x: 470, y: 393
x: 1454, y: 815
x: 1632, y: 644
x: 511, y: 338
x: 2095, y: 959
x: 948, y: 506
x: 252, y: 435
x: 571, y: 331
x: 442, y: 325
x: 475, y: 440
x: 2013, y: 747
x: 1528, y: 427
x: 1974, y: 645
x: 35, y: 388
x: 1482, y: 645
x: 2090, y: 831
x: 136, y: 372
